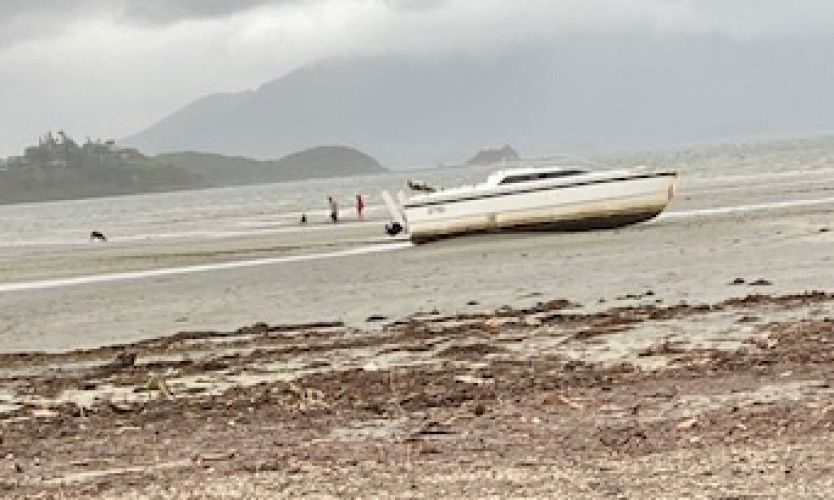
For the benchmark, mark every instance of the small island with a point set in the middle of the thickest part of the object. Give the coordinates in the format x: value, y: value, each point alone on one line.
x: 492, y: 156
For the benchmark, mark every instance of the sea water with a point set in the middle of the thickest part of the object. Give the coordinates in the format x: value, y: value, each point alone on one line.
x: 264, y: 208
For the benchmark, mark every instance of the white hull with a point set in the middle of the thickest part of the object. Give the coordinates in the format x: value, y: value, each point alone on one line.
x: 590, y: 201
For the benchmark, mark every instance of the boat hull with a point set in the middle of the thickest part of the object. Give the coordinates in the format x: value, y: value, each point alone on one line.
x: 598, y: 205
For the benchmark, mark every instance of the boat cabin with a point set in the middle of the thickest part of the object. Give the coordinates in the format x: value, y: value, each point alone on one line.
x: 530, y: 174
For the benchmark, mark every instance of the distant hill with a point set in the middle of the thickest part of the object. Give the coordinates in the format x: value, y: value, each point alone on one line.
x: 58, y: 168
x: 318, y: 162
x: 490, y: 156
x: 50, y: 183
x: 576, y: 96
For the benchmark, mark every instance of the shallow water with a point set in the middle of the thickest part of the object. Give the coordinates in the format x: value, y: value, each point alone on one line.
x: 275, y: 208
x: 208, y: 213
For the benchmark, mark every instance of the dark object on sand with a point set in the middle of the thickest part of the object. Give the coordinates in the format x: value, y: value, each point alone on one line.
x: 375, y: 317
x: 393, y: 228
x: 124, y: 360
x: 824, y: 230
x: 97, y: 236
x: 420, y: 186
x: 760, y: 282
x: 737, y: 281
x: 303, y: 219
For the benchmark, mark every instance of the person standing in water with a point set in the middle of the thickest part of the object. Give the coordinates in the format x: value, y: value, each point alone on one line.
x: 334, y: 209
x: 360, y: 206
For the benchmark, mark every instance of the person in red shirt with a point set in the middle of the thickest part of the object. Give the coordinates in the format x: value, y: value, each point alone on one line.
x: 360, y: 205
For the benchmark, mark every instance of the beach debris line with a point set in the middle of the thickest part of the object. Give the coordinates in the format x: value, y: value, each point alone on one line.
x: 214, y: 457
x: 120, y: 406
x: 460, y: 395
x: 756, y: 282
x: 123, y: 360
x: 159, y: 384
x: 636, y: 296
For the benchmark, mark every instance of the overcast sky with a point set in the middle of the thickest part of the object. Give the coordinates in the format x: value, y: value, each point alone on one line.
x: 111, y: 67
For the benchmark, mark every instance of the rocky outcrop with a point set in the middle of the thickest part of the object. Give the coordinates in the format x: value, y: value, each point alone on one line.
x: 490, y: 156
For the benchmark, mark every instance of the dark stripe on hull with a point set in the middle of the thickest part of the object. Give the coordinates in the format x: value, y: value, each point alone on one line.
x: 613, y: 221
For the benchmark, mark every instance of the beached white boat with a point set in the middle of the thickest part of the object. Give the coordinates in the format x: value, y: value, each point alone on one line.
x: 552, y: 198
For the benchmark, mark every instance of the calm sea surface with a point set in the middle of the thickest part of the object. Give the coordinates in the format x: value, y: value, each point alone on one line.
x: 251, y: 209
x: 207, y: 213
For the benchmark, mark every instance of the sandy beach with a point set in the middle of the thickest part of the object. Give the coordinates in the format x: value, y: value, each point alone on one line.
x: 684, y: 357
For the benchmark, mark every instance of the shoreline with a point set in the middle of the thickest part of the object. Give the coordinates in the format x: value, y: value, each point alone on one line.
x: 169, y: 271
x: 260, y: 243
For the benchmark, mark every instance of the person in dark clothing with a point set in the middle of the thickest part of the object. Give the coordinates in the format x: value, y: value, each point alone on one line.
x: 334, y: 209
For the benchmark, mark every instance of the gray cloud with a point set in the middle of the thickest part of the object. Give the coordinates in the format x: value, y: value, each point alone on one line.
x: 416, y: 5
x: 111, y: 67
x: 171, y: 11
x: 22, y: 20
x: 151, y: 10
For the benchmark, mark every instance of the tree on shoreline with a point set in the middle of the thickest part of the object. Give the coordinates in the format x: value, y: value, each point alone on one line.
x: 60, y: 150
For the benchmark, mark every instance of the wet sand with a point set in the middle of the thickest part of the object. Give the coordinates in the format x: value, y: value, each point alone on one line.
x: 752, y: 226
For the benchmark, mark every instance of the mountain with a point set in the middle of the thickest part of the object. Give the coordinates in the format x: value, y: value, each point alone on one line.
x: 323, y: 161
x: 490, y: 156
x: 577, y: 94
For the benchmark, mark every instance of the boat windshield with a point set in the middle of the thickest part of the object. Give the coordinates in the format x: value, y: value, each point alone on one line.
x: 537, y: 176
